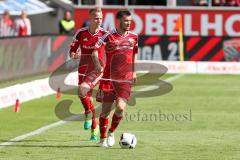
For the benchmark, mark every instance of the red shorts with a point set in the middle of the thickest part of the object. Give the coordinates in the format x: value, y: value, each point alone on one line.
x: 91, y: 78
x: 110, y: 91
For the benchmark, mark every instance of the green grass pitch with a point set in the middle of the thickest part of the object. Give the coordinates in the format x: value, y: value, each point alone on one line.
x: 197, y: 120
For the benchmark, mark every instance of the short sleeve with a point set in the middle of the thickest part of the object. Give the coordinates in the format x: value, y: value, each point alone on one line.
x: 102, y: 40
x: 135, y: 48
x: 75, y: 43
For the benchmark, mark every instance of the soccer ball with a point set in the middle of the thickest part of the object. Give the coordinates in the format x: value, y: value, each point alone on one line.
x: 128, y: 140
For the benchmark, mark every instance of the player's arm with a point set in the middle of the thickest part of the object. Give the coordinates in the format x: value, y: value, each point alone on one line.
x: 101, y: 42
x: 74, y: 46
x: 135, y: 51
x: 134, y: 72
x: 96, y: 61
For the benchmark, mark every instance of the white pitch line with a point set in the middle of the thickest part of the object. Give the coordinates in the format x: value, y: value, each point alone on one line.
x: 30, y: 134
x: 170, y: 79
x: 53, y: 125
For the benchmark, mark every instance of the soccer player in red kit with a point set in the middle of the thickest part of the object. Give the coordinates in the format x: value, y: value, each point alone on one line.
x: 121, y: 49
x: 84, y: 41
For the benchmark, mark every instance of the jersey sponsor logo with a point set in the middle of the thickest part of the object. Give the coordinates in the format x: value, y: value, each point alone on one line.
x: 131, y: 40
x: 119, y: 45
x: 88, y: 47
x: 85, y: 39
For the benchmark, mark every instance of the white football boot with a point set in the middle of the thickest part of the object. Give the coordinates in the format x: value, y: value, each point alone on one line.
x: 103, y: 142
x: 110, y: 139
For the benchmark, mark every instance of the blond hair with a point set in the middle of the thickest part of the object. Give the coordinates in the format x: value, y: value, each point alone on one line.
x: 94, y: 10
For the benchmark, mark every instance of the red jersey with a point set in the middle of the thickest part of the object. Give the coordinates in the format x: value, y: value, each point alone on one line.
x: 120, y: 53
x: 7, y: 27
x: 85, y: 42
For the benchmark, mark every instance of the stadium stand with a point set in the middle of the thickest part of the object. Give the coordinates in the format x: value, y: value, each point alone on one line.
x: 192, y: 45
x: 31, y: 6
x: 158, y: 3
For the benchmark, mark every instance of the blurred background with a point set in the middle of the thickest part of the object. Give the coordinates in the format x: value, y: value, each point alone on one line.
x: 211, y: 30
x: 198, y: 41
x: 207, y: 26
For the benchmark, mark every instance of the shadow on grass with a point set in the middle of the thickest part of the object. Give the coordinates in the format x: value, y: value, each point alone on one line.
x: 49, y: 140
x: 51, y: 146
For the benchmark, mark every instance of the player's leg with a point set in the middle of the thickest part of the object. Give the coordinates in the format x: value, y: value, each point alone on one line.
x: 90, y: 82
x: 122, y: 91
x: 90, y: 120
x: 83, y: 90
x: 94, y: 126
x: 106, y: 98
x: 121, y: 104
x: 103, y: 122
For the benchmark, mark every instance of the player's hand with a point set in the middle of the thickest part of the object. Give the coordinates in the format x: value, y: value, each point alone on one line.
x: 74, y: 55
x: 99, y: 68
x: 134, y: 78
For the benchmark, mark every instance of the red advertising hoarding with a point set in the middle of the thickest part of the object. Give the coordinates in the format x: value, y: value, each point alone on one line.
x: 196, y: 48
x: 162, y: 21
x: 209, y: 35
x: 24, y: 56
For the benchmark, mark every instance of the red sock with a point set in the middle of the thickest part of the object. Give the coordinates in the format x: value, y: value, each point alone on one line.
x: 103, y: 121
x: 94, y: 121
x: 115, y: 122
x: 86, y: 102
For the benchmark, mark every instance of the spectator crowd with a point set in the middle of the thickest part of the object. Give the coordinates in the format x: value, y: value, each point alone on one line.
x: 164, y: 2
x: 217, y: 2
x: 21, y: 26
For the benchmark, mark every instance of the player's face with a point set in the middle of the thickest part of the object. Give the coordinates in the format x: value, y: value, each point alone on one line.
x: 96, y: 19
x: 125, y: 23
x: 6, y: 14
x: 24, y: 14
x: 68, y: 15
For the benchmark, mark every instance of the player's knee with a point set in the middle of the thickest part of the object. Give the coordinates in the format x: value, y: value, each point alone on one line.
x: 120, y: 109
x: 83, y: 89
x: 105, y: 114
x: 121, y: 105
x: 106, y: 109
x: 80, y: 92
